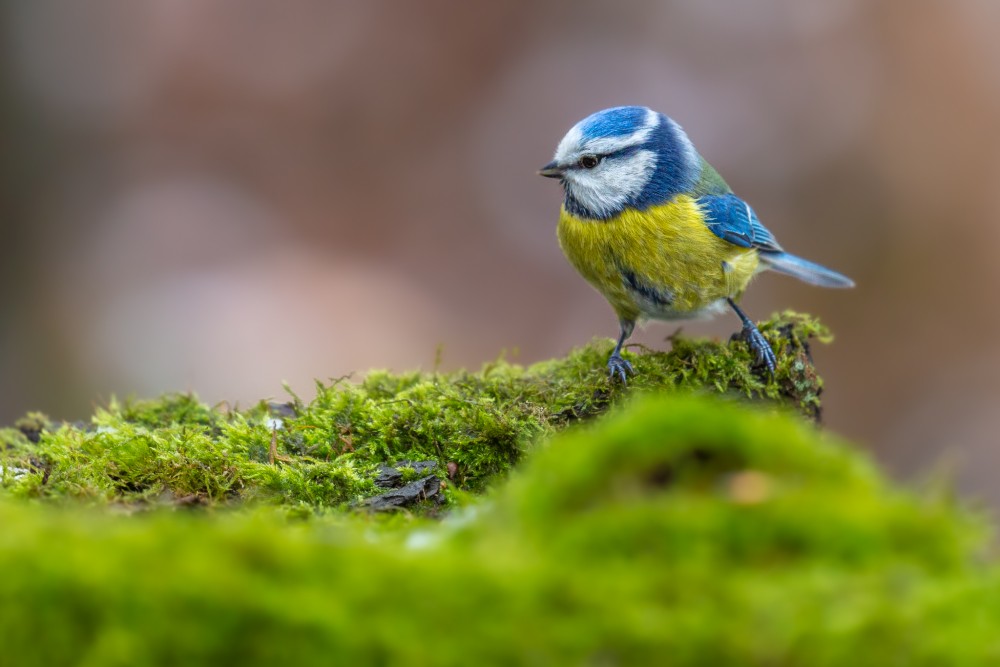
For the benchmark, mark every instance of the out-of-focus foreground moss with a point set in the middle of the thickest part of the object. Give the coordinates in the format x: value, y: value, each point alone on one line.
x: 680, y: 531
x: 677, y: 529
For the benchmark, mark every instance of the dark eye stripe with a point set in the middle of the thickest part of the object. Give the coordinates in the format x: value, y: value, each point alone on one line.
x: 621, y: 152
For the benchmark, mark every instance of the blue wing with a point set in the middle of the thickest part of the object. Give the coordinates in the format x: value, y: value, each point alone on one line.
x: 731, y: 219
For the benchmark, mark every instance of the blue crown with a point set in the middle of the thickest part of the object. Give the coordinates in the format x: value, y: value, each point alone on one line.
x: 615, y: 122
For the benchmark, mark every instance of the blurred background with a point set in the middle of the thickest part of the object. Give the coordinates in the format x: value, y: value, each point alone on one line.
x: 221, y: 196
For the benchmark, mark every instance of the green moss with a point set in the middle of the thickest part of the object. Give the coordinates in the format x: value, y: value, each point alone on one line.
x: 31, y: 425
x: 678, y: 529
x: 676, y: 475
x: 176, y: 449
x: 13, y: 438
x: 698, y: 364
x: 167, y: 410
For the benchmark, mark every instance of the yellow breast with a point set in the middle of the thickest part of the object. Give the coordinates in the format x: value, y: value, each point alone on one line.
x: 661, y: 263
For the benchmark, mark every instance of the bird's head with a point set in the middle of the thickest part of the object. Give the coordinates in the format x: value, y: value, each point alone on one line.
x: 625, y: 157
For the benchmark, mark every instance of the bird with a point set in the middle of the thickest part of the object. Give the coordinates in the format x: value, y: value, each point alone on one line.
x: 649, y: 223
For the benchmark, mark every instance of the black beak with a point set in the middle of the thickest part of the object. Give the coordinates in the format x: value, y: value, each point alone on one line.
x: 551, y: 170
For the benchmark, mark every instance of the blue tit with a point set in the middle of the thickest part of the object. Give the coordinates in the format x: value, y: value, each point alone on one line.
x: 650, y: 224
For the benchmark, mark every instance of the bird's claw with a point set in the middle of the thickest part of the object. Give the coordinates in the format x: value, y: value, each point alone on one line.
x: 760, y: 347
x: 620, y: 368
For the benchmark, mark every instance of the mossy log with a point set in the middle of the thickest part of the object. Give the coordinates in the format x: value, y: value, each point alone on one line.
x: 327, y: 453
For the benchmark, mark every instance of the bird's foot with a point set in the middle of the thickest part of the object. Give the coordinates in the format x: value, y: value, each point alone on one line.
x: 759, y: 346
x: 619, y: 367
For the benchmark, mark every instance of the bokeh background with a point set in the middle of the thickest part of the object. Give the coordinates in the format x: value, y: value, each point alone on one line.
x: 221, y: 196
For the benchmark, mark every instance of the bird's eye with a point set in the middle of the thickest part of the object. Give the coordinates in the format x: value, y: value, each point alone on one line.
x: 589, y: 161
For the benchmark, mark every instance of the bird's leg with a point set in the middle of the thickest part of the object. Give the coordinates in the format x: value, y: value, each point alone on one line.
x: 758, y: 344
x: 617, y: 366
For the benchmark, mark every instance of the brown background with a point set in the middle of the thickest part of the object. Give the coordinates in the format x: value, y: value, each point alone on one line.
x: 220, y: 196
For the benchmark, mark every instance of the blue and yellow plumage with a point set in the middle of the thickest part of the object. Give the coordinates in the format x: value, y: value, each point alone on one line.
x: 650, y: 224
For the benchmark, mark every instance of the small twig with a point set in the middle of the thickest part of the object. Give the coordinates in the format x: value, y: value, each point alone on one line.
x: 345, y: 438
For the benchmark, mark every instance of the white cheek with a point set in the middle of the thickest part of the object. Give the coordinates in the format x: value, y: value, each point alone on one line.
x: 605, y: 190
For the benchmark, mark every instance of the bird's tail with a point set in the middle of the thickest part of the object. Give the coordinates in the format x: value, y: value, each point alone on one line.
x: 804, y: 270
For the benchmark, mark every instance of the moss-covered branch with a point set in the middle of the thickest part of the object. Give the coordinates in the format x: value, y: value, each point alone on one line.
x: 327, y: 453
